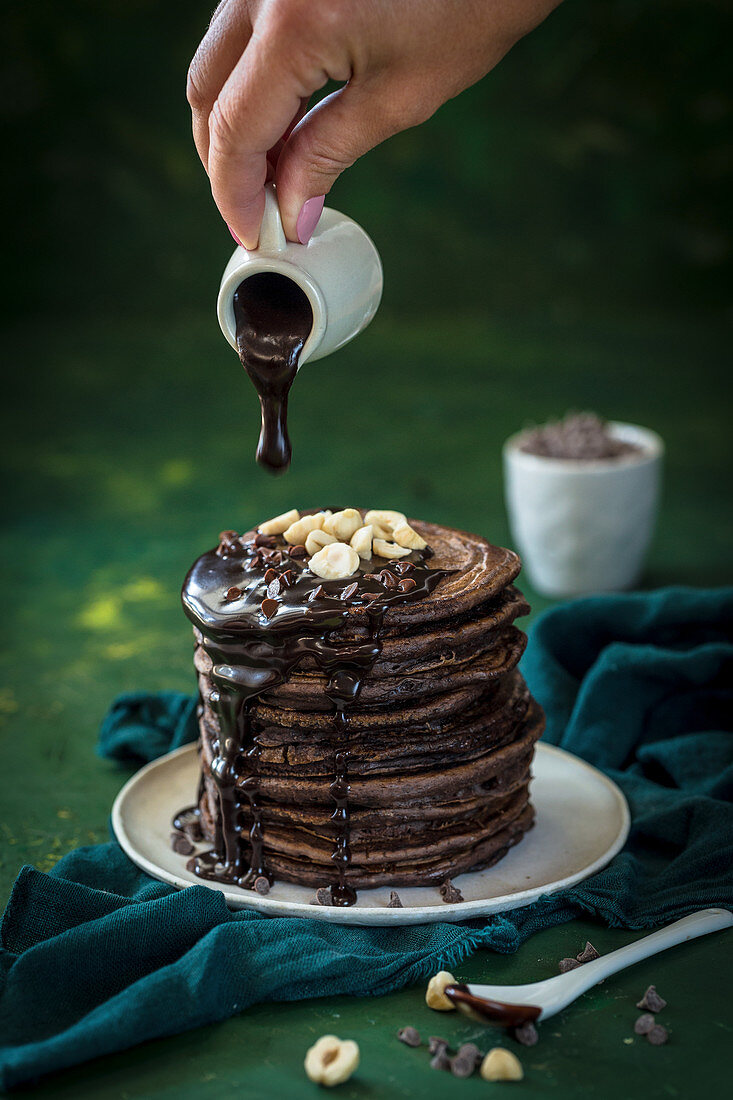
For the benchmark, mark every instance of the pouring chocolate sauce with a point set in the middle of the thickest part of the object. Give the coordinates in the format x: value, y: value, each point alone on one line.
x: 275, y: 325
x: 274, y: 319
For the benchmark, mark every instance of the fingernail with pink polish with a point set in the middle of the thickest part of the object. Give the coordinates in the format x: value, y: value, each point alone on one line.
x: 308, y: 217
x: 236, y: 238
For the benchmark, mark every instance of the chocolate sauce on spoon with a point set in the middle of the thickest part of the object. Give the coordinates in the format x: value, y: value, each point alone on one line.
x: 273, y: 320
x: 484, y: 1008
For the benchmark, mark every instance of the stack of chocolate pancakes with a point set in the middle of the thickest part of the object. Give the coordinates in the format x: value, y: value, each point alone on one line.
x: 362, y: 731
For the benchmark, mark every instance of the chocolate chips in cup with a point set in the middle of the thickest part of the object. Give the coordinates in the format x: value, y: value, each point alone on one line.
x: 581, y: 436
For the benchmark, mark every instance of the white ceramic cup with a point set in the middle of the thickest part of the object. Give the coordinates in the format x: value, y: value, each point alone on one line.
x: 584, y: 526
x: 339, y: 270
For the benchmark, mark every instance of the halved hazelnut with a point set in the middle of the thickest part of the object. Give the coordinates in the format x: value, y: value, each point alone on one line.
x: 361, y: 541
x: 389, y: 550
x: 334, y: 562
x: 331, y: 1060
x: 384, y: 521
x: 298, y: 532
x: 343, y: 524
x: 316, y: 540
x: 501, y: 1065
x: 404, y: 535
x: 280, y: 523
x: 435, y: 997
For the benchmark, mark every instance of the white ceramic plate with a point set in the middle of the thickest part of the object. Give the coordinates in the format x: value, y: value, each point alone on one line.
x: 582, y: 822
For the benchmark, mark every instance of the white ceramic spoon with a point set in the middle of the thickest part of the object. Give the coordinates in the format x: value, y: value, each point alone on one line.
x: 512, y: 1005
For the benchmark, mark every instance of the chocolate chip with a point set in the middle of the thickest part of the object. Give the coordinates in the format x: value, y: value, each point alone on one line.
x: 287, y: 578
x: 440, y: 1060
x: 588, y: 953
x: 372, y: 577
x: 273, y: 588
x: 265, y: 540
x: 370, y: 596
x: 471, y: 1049
x: 269, y: 607
x: 568, y: 964
x: 233, y: 593
x: 403, y: 567
x: 410, y: 1036
x: 406, y: 584
x: 526, y: 1034
x: 318, y: 593
x: 436, y: 1044
x: 181, y: 844
x: 228, y: 544
x: 450, y: 893
x: 350, y: 590
x: 644, y: 1024
x: 388, y: 579
x: 323, y: 896
x: 466, y: 1060
x: 270, y: 576
x: 298, y: 551
x: 261, y: 885
x: 462, y: 1067
x: 658, y: 1035
x: 651, y: 1000
x: 395, y: 902
x: 193, y: 830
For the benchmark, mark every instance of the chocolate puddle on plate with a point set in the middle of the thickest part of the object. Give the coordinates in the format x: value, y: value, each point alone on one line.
x: 273, y: 321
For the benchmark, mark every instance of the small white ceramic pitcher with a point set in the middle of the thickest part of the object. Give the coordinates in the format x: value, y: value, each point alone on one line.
x: 339, y: 270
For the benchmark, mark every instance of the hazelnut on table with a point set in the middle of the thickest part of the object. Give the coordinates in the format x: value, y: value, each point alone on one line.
x: 435, y: 996
x: 331, y: 1060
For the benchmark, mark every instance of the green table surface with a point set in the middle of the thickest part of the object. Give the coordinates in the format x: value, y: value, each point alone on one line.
x: 127, y: 447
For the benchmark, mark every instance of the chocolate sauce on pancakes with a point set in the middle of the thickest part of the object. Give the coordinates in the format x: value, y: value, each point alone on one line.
x: 273, y: 321
x: 260, y: 611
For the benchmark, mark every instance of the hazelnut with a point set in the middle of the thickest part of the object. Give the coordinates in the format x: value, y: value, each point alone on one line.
x: 435, y: 997
x: 343, y: 524
x: 389, y: 550
x: 316, y: 540
x: 404, y: 535
x: 501, y: 1065
x: 298, y: 531
x: 334, y: 562
x: 280, y: 523
x: 361, y: 541
x: 331, y: 1060
x: 384, y: 522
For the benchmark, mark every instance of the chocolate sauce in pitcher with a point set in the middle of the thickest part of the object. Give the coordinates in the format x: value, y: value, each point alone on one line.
x: 273, y: 320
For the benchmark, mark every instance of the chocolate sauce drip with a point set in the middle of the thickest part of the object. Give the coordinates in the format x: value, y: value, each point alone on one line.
x: 253, y: 651
x: 273, y: 319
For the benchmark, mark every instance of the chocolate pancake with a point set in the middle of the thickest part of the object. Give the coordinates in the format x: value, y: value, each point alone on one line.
x: 366, y: 729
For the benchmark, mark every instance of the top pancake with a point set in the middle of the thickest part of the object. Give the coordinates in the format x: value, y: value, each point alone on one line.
x: 479, y: 572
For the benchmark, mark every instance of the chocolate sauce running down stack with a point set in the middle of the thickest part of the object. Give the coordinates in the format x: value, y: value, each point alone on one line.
x: 363, y: 732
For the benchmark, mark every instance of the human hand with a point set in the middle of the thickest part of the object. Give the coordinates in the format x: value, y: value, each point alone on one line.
x: 261, y: 60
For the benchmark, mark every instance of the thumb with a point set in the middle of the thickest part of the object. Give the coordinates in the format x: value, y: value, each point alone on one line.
x: 335, y: 133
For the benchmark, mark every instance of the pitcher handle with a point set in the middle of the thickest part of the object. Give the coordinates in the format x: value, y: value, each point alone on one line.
x: 272, y: 235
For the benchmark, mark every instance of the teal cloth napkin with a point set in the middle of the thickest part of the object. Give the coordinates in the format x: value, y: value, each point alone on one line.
x: 96, y: 956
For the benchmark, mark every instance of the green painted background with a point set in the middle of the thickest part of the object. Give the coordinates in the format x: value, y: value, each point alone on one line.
x: 557, y: 237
